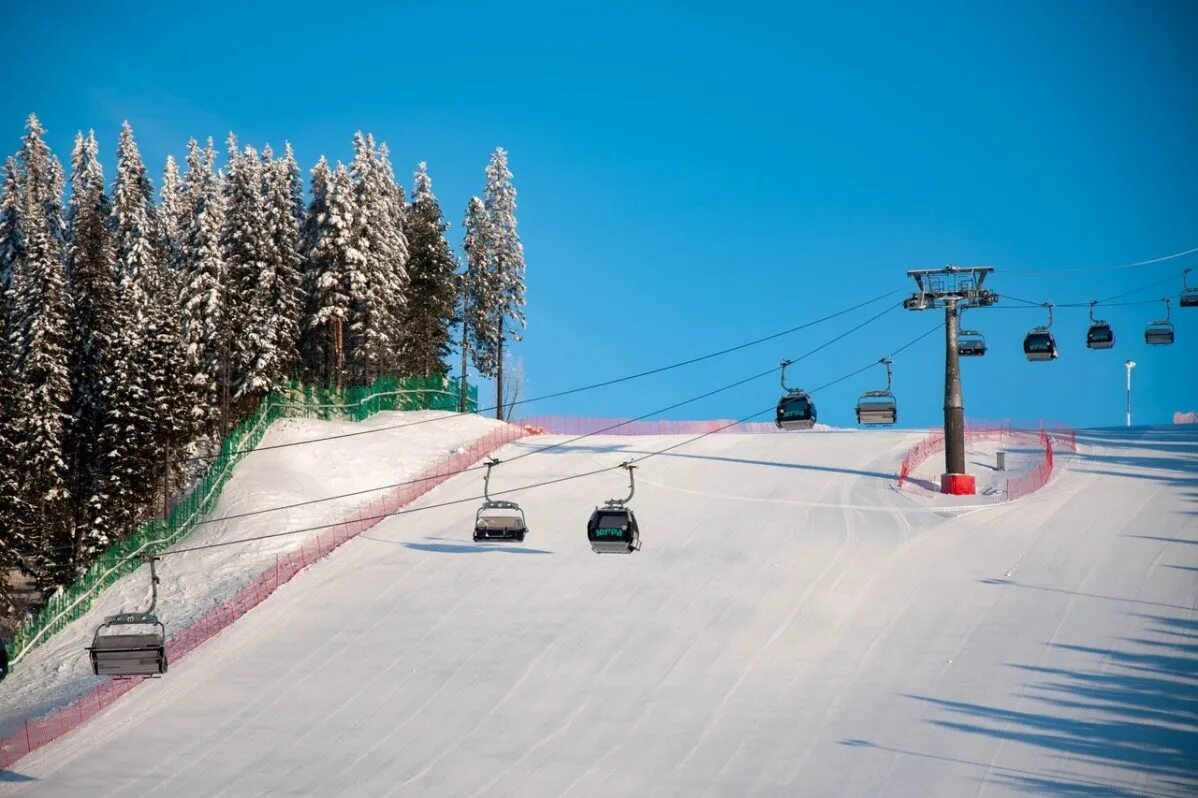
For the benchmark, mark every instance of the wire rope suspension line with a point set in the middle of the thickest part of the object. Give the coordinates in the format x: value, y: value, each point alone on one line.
x: 549, y: 447
x: 569, y: 392
x: 543, y: 483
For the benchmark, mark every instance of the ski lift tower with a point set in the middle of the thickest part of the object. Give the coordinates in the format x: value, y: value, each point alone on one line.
x: 953, y: 288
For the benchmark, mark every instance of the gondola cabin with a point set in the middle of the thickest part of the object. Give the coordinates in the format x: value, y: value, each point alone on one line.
x: 971, y: 343
x: 131, y: 644
x: 1039, y: 345
x: 1158, y: 333
x: 877, y: 407
x: 795, y: 411
x: 1189, y: 298
x: 500, y: 521
x: 613, y: 530
x: 1100, y: 336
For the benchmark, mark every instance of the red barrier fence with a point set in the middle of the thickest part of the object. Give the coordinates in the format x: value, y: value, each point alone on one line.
x: 36, y: 733
x: 1059, y: 436
x: 1037, y: 477
x: 590, y: 425
x: 934, y: 443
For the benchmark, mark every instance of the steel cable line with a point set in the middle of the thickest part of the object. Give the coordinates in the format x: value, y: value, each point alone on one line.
x: 1107, y: 301
x: 559, y: 394
x: 559, y: 444
x: 1096, y: 269
x: 532, y: 486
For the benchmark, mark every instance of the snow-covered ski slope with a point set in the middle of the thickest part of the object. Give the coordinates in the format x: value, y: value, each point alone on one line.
x: 793, y: 626
x: 192, y: 584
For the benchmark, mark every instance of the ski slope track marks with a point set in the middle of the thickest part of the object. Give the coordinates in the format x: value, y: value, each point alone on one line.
x: 793, y: 626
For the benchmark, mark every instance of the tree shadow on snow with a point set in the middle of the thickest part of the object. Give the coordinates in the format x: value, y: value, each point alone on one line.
x: 1133, y: 709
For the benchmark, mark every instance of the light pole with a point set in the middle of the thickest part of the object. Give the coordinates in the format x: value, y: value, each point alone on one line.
x: 1130, y: 364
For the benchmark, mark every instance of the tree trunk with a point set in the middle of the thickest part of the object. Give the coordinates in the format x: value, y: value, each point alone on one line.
x: 499, y: 376
x: 465, y: 349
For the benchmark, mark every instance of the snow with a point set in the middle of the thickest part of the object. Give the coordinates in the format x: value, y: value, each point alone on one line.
x: 193, y: 583
x: 793, y: 626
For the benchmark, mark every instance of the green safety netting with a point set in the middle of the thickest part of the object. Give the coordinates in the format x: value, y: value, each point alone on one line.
x: 296, y: 400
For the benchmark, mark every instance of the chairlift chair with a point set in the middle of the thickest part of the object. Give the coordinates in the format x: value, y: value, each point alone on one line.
x: 1189, y: 293
x: 498, y: 520
x: 796, y: 410
x: 612, y: 528
x: 1100, y: 335
x: 878, y: 407
x: 1160, y: 331
x: 1039, y: 345
x: 970, y: 343
x: 138, y: 649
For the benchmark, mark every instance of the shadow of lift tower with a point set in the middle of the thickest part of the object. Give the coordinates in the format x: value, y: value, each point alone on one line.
x: 953, y: 288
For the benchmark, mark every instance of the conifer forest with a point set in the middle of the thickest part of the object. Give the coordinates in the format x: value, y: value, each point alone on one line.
x: 142, y: 317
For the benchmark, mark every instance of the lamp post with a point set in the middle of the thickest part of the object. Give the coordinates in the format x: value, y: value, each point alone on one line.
x: 1130, y: 364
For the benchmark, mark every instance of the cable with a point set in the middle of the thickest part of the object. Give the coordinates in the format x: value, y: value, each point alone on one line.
x: 1123, y: 267
x: 1030, y: 304
x: 559, y: 394
x: 533, y: 486
x: 658, y: 411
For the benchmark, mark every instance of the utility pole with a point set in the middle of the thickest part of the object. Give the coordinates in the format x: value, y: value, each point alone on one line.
x: 1129, y: 364
x: 953, y: 288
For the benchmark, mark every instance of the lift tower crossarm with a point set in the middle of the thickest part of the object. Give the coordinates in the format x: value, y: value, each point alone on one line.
x: 952, y: 288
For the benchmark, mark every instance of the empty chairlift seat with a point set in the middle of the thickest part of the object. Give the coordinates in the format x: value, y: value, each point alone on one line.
x: 613, y: 530
x: 1189, y: 293
x: 1160, y: 331
x: 879, y: 407
x: 500, y: 521
x: 971, y: 343
x: 129, y: 644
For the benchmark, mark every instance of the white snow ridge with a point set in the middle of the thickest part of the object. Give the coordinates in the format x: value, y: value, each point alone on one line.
x: 793, y: 626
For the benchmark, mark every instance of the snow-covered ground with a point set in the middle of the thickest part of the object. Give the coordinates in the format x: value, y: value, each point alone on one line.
x: 57, y: 672
x: 793, y: 626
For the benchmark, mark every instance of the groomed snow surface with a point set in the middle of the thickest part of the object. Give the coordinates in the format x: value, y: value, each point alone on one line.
x: 792, y: 626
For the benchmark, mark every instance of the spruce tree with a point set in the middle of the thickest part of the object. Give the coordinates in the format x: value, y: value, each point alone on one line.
x: 331, y: 259
x: 203, y: 274
x: 313, y: 338
x: 16, y: 531
x: 41, y: 344
x: 376, y: 262
x: 274, y: 323
x: 433, y: 289
x: 480, y: 294
x: 172, y: 214
x: 94, y: 328
x: 507, y: 261
x: 246, y: 245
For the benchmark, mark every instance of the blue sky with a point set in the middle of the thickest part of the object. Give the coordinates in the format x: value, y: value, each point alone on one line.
x: 694, y: 175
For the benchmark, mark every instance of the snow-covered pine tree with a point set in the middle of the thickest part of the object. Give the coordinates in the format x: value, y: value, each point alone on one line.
x: 433, y: 289
x: 94, y: 326
x: 204, y: 278
x: 41, y: 340
x: 313, y: 341
x: 274, y: 323
x: 480, y: 292
x: 16, y: 541
x: 247, y: 246
x: 376, y: 263
x: 331, y: 242
x: 146, y: 388
x: 507, y: 260
x: 172, y: 213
